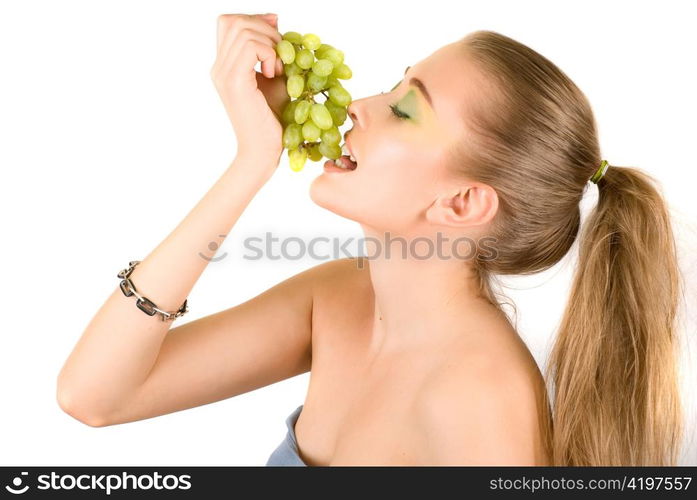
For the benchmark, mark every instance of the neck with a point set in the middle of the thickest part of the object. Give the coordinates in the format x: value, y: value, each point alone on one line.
x: 419, y: 297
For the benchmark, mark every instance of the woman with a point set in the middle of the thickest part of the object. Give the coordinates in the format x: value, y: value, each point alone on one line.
x: 474, y: 165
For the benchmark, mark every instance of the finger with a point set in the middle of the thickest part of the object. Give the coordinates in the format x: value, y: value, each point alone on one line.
x: 268, y: 67
x: 244, y: 35
x: 232, y: 23
x: 234, y: 58
x: 239, y: 25
x: 223, y: 24
x: 272, y: 19
x: 254, y: 51
x: 266, y: 28
x: 274, y: 24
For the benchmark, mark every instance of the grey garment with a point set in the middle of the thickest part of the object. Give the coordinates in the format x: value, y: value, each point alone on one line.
x: 286, y: 453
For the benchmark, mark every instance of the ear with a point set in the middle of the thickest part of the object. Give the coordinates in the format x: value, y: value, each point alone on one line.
x: 471, y: 205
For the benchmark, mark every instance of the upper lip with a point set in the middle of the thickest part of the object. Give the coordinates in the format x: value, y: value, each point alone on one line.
x: 348, y: 146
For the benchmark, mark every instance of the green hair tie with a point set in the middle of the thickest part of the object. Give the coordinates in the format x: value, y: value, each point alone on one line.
x: 600, y: 172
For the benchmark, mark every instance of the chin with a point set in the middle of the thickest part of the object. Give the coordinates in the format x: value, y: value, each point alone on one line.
x: 324, y: 194
x: 327, y: 192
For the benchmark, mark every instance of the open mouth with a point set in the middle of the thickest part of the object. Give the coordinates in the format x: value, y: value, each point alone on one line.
x: 345, y: 162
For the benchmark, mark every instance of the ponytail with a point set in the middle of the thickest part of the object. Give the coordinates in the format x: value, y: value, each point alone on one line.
x: 613, y: 365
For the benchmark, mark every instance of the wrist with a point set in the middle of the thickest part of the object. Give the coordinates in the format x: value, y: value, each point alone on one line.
x: 260, y: 156
x: 253, y: 168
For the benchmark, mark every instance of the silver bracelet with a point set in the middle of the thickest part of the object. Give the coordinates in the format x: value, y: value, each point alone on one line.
x: 143, y: 303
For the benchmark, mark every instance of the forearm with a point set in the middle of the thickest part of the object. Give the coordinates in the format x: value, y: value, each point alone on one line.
x: 120, y: 345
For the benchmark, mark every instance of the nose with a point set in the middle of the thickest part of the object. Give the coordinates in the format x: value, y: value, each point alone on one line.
x: 352, y: 111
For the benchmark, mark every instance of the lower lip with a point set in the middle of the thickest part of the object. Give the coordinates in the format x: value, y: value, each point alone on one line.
x: 331, y: 168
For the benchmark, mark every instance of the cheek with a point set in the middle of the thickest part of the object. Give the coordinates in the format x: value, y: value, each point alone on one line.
x: 395, y: 193
x: 390, y: 190
x: 407, y: 173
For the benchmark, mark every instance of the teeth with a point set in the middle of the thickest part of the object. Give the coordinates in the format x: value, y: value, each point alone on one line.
x: 345, y: 150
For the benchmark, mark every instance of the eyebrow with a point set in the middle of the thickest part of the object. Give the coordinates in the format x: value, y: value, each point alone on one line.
x: 418, y: 83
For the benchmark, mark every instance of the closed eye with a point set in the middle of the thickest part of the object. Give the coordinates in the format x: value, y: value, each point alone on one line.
x: 395, y: 110
x: 398, y: 113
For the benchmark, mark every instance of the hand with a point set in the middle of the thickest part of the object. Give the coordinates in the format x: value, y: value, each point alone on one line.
x: 253, y: 101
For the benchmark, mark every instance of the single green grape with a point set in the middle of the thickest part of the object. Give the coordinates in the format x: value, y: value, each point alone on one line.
x: 336, y: 56
x: 313, y: 152
x: 311, y: 41
x: 295, y: 86
x: 297, y: 158
x: 310, y: 130
x: 332, y: 81
x: 288, y: 114
x: 292, y: 69
x: 320, y: 116
x: 285, y: 51
x: 304, y: 59
x: 342, y: 71
x: 293, y: 37
x: 322, y: 67
x: 292, y: 136
x: 338, y: 113
x: 332, y: 135
x: 315, y: 83
x: 319, y: 53
x: 339, y: 95
x: 302, y: 111
x: 331, y: 151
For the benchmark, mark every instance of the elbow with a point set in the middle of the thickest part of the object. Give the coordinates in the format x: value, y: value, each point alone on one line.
x: 73, y: 407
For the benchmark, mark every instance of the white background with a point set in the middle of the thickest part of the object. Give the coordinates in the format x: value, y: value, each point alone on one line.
x: 111, y: 131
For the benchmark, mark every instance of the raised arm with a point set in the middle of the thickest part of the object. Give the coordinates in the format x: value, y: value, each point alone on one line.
x: 123, y: 352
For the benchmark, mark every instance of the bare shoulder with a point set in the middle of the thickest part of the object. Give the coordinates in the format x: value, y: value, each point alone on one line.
x: 335, y: 280
x: 349, y: 267
x: 342, y: 278
x: 486, y: 409
x: 334, y: 275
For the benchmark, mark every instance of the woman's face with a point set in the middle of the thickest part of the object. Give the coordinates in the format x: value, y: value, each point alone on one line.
x: 402, y: 151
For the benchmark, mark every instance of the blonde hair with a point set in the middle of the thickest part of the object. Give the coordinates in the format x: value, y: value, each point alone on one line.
x: 613, y: 365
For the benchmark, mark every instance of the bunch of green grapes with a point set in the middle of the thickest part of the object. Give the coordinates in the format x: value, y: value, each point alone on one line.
x: 311, y: 129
